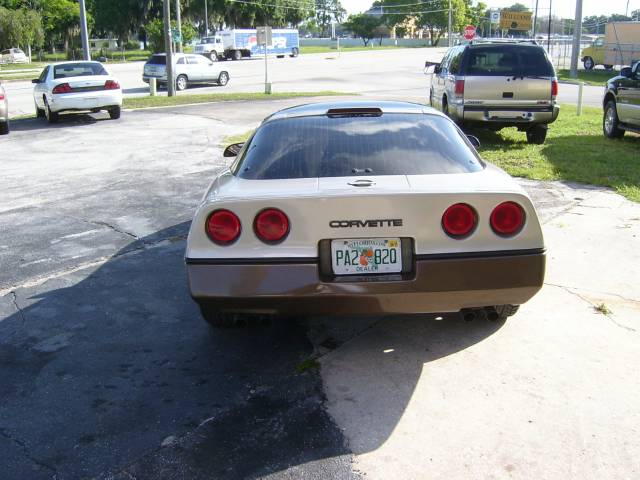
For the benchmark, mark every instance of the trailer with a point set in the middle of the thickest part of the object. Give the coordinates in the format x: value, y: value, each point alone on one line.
x: 243, y: 43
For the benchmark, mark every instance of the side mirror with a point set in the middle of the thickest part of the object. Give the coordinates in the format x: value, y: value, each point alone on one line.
x: 233, y: 150
x: 437, y: 69
x: 626, y: 72
x: 35, y: 80
x: 474, y: 141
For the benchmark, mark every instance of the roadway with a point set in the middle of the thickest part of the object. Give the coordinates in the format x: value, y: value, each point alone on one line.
x: 383, y: 73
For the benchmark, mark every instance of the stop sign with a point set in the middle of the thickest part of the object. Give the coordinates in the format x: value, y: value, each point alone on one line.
x: 469, y: 32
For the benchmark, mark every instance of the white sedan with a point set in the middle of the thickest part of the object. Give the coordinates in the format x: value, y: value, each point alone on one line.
x: 362, y: 208
x: 76, y: 87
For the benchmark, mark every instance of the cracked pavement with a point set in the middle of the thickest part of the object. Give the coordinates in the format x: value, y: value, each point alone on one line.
x: 107, y: 371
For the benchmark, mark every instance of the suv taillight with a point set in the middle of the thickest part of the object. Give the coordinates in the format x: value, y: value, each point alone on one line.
x: 459, y: 87
x: 554, y: 88
x: 111, y: 85
x: 62, y: 88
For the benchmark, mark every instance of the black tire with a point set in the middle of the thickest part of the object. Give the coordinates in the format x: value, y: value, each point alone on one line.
x: 4, y: 128
x: 114, y: 112
x: 223, y: 78
x: 610, y: 122
x: 506, y: 311
x: 213, y: 56
x: 295, y: 52
x: 231, y: 320
x: 236, y: 55
x: 588, y: 63
x: 39, y: 112
x: 537, y: 134
x: 182, y: 82
x: 52, y: 117
x: 608, y: 67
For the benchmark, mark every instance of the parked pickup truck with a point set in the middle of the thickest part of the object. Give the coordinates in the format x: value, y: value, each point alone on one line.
x: 621, y: 103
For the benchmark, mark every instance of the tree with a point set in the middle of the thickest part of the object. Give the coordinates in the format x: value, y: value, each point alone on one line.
x: 155, y: 34
x: 363, y: 25
x: 518, y: 7
x: 436, y: 19
x: 328, y: 11
x: 20, y: 27
x: 61, y: 20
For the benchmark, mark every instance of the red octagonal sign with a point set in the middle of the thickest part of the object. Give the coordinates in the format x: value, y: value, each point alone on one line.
x: 469, y: 32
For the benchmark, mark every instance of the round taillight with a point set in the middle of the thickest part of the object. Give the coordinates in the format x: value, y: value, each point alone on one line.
x: 507, y: 219
x: 223, y: 227
x: 271, y: 225
x: 459, y: 220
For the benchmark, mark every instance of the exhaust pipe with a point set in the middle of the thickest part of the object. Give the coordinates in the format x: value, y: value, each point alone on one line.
x: 492, y: 314
x: 469, y: 314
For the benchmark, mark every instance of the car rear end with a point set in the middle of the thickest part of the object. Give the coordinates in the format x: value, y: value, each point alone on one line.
x: 80, y: 86
x: 506, y: 85
x: 400, y: 216
x: 156, y: 67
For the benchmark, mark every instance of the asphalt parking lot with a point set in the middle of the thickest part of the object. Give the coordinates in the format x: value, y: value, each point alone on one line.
x: 107, y: 370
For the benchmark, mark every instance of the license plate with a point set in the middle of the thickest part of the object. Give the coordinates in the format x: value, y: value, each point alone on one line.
x: 362, y: 256
x: 507, y: 114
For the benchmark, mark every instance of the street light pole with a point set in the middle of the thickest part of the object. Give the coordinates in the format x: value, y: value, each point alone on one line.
x: 179, y: 26
x: 577, y: 32
x: 449, y: 43
x: 549, y: 30
x: 535, y: 20
x: 84, y: 35
x: 206, y: 19
x: 171, y: 84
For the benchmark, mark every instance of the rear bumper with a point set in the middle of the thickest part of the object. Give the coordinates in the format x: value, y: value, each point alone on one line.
x: 85, y: 100
x: 507, y: 115
x: 437, y: 284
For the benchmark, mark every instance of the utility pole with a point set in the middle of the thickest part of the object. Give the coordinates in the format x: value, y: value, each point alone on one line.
x: 449, y: 42
x: 535, y: 20
x: 549, y: 30
x: 577, y: 32
x: 84, y: 35
x: 206, y: 19
x: 179, y: 27
x: 171, y: 84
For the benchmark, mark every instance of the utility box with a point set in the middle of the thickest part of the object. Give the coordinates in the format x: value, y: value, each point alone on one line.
x: 264, y: 36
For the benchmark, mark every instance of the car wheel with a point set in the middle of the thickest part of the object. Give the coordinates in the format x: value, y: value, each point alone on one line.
x: 39, y: 111
x: 608, y: 67
x: 295, y: 52
x: 588, y: 63
x: 610, y: 122
x: 213, y: 56
x: 52, y: 117
x: 537, y: 134
x: 114, y: 112
x: 223, y: 79
x: 230, y: 320
x: 237, y: 55
x: 4, y: 128
x: 181, y: 82
x: 506, y: 311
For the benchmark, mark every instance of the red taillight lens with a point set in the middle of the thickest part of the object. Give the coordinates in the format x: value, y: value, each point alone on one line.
x: 459, y: 87
x: 1, y: 96
x: 62, y: 88
x: 223, y: 227
x: 111, y: 85
x: 554, y: 88
x: 271, y: 225
x: 507, y: 218
x: 459, y: 220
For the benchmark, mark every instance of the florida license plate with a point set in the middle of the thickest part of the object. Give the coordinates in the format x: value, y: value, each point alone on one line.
x: 361, y: 256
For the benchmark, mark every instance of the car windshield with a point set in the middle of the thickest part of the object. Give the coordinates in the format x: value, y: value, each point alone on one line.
x: 323, y: 146
x: 208, y: 40
x: 508, y: 60
x: 157, y: 60
x: 67, y: 70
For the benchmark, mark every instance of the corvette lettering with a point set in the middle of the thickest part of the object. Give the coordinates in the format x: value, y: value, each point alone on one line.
x: 387, y: 222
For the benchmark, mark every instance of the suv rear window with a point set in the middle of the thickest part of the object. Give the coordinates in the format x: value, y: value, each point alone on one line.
x: 323, y: 146
x: 157, y: 60
x: 67, y: 70
x: 508, y: 60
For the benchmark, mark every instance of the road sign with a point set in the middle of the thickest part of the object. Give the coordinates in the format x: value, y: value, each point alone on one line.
x: 469, y: 32
x: 510, y: 20
x: 263, y: 35
x: 495, y: 16
x: 175, y: 35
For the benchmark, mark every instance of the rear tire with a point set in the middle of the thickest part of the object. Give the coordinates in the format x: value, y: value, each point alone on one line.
x: 506, y: 311
x: 537, y: 134
x: 588, y: 63
x: 39, y: 111
x: 295, y: 52
x: 608, y: 67
x: 223, y: 78
x: 114, y: 112
x: 52, y: 117
x: 610, y: 122
x: 236, y: 55
x: 4, y: 128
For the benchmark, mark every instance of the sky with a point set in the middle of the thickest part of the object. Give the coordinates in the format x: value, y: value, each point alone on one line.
x: 560, y: 8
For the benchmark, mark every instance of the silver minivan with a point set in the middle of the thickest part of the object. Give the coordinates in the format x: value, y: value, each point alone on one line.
x: 497, y: 85
x: 188, y: 69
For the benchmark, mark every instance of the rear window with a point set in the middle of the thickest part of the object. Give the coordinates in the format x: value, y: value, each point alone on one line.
x: 508, y: 60
x: 158, y: 60
x: 322, y: 146
x: 78, y: 70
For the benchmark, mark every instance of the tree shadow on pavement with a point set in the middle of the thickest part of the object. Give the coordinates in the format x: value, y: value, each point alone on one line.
x: 110, y: 372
